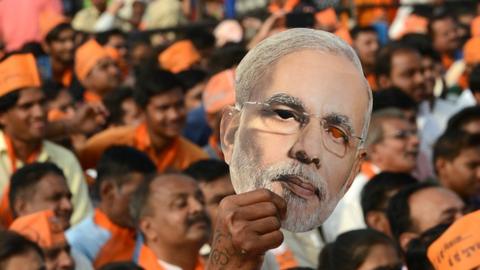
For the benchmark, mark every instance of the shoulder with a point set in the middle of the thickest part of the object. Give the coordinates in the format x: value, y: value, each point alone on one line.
x: 191, y: 148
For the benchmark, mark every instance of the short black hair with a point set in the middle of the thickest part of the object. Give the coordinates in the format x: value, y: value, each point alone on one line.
x: 118, y: 161
x: 9, y: 101
x: 416, y: 254
x: 351, y: 249
x: 191, y: 77
x: 357, y: 30
x: 375, y: 193
x: 51, y: 89
x: 113, y: 102
x: 463, y: 117
x: 398, y: 211
x: 383, y: 63
x: 422, y: 43
x: 392, y: 97
x: 121, y: 266
x: 13, y: 244
x: 452, y: 142
x: 226, y: 57
x: 207, y: 170
x: 474, y: 79
x: 54, y: 34
x: 24, y: 180
x: 152, y: 82
x: 103, y: 37
x: 201, y: 38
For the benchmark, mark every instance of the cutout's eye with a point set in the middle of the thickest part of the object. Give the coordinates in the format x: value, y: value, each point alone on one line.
x: 337, y: 133
x: 284, y: 114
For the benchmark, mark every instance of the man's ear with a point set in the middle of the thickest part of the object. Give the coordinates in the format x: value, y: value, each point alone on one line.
x: 45, y: 47
x: 107, y: 190
x: 384, y: 82
x: 19, y: 207
x: 440, y: 165
x: 405, y: 238
x: 145, y: 226
x: 228, y: 128
x: 377, y: 220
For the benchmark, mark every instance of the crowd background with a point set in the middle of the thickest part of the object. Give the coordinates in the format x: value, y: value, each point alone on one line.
x: 96, y: 96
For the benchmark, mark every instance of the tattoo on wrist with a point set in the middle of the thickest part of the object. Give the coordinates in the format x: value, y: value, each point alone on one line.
x: 223, y: 249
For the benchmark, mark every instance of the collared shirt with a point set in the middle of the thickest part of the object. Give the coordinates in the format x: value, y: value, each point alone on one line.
x: 66, y: 161
x: 148, y: 260
x: 102, y: 241
x: 178, y: 154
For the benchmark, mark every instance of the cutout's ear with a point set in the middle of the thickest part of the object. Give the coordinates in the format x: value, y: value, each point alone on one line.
x: 357, y: 164
x: 228, y: 128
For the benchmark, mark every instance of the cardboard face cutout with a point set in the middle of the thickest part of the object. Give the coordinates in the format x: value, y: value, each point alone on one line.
x: 299, y: 134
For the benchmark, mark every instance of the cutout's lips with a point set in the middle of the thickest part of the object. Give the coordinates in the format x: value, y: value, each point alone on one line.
x: 299, y: 187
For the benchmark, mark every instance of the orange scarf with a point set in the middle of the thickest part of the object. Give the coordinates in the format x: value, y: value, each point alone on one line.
x: 287, y: 7
x: 163, y: 160
x: 148, y: 260
x: 121, y: 245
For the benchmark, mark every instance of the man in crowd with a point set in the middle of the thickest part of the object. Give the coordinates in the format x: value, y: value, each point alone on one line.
x: 289, y: 170
x: 17, y: 252
x: 22, y: 138
x: 376, y: 195
x: 417, y: 208
x: 109, y: 235
x: 392, y: 145
x: 365, y: 43
x: 170, y: 212
x: 456, y: 157
x: 442, y: 29
x: 161, y: 98
x: 41, y: 186
x: 96, y: 70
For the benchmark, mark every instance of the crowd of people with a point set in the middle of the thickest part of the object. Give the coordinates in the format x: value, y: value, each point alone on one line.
x: 117, y: 121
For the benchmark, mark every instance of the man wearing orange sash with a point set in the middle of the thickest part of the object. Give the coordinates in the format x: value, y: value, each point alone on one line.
x: 170, y: 212
x: 160, y: 96
x: 109, y: 235
x: 96, y: 70
x: 22, y: 137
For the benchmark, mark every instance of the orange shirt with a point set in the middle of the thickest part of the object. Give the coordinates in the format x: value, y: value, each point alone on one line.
x: 148, y: 260
x: 288, y: 6
x: 178, y: 154
x: 91, y: 97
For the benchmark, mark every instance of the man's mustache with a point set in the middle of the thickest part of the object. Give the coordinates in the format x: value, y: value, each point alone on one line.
x: 201, y: 217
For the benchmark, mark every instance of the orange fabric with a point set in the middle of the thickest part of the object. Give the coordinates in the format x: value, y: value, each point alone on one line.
x: 40, y: 227
x: 180, y: 56
x: 475, y: 27
x: 148, y: 260
x: 6, y: 215
x: 213, y: 142
x: 367, y: 16
x: 471, y: 51
x: 327, y: 18
x: 459, y: 246
x: 91, y: 97
x: 87, y: 56
x: 179, y: 154
x: 288, y: 6
x: 55, y: 115
x: 447, y: 61
x: 368, y: 170
x: 121, y: 245
x: 415, y: 24
x: 372, y: 81
x: 48, y: 20
x: 67, y: 78
x: 286, y: 259
x: 18, y: 71
x: 343, y: 33
x: 219, y: 91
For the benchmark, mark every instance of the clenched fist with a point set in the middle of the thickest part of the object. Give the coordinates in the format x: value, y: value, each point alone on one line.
x: 247, y: 226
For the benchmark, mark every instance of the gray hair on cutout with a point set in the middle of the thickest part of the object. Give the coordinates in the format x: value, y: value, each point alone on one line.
x: 256, y: 64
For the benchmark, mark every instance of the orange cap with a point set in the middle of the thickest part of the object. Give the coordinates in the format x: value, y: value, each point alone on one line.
x: 219, y: 91
x: 458, y: 246
x: 87, y: 56
x: 327, y: 18
x: 48, y: 20
x: 180, y: 56
x: 471, y: 51
x: 18, y: 71
x: 41, y: 227
x: 475, y: 27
